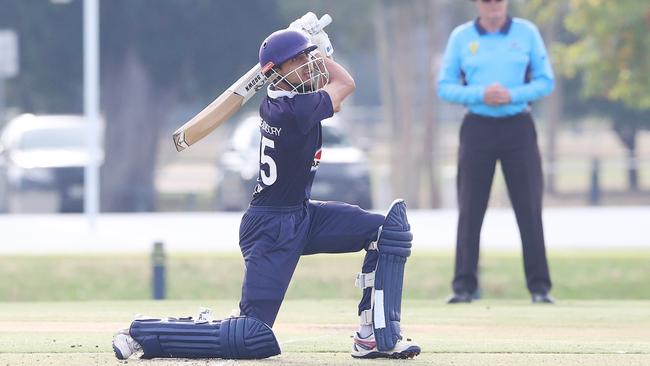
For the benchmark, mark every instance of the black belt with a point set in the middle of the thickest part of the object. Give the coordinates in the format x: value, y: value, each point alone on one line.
x: 524, y: 114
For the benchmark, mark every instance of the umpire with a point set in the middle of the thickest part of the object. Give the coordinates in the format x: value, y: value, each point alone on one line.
x: 496, y: 66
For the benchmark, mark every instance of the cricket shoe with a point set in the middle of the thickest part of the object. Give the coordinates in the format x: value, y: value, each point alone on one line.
x: 367, y: 348
x: 124, y: 345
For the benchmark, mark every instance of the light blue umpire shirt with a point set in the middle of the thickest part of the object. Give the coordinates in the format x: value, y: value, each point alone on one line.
x: 514, y: 57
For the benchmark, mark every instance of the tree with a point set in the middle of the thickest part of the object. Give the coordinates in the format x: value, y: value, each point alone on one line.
x: 612, y: 54
x: 609, y: 54
x: 549, y: 18
x: 50, y: 56
x: 157, y: 55
x: 611, y: 50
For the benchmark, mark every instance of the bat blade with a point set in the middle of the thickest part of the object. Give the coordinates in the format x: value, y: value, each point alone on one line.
x: 211, y: 117
x: 220, y: 110
x: 229, y: 102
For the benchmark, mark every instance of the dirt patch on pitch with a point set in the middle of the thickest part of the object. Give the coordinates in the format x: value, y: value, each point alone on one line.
x: 440, y: 359
x: 488, y: 330
x: 55, y: 327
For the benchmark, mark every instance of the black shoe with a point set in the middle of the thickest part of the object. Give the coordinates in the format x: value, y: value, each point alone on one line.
x: 542, y: 298
x: 461, y: 297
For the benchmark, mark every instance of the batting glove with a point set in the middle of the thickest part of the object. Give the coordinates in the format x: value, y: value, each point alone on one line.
x: 322, y: 40
x: 309, y: 24
x: 306, y: 23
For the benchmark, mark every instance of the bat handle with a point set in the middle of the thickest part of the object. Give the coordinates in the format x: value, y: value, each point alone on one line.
x: 324, y: 21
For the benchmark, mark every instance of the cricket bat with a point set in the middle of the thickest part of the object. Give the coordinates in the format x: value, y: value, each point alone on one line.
x: 226, y: 104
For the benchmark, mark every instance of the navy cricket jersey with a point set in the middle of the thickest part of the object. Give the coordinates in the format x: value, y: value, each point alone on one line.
x: 515, y: 57
x: 290, y: 146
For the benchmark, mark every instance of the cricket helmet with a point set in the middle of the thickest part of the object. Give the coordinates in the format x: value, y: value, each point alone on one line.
x: 283, y: 45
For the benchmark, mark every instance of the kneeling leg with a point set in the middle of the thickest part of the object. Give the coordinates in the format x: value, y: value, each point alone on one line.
x: 231, y: 338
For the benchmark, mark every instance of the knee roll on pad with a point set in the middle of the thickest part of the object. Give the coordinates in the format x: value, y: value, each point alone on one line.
x: 393, y: 246
x: 232, y: 338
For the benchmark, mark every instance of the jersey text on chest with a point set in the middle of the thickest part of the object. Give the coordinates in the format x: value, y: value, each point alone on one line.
x: 275, y: 131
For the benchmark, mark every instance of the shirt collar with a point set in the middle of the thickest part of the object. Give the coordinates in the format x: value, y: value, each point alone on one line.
x: 278, y: 93
x: 504, y: 30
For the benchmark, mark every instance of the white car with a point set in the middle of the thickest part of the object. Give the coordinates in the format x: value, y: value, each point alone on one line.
x: 44, y: 158
x: 342, y: 175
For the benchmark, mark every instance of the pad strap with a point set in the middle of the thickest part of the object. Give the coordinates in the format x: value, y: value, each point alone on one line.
x: 365, y: 280
x: 365, y: 318
x: 372, y: 245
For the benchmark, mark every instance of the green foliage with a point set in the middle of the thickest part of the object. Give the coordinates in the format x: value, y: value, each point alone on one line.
x: 50, y: 41
x: 193, y: 46
x: 611, y: 49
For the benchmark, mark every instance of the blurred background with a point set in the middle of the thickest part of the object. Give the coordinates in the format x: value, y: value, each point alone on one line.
x: 162, y: 61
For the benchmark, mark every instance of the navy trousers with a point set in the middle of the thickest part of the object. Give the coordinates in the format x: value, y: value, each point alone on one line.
x: 513, y: 141
x: 272, y: 239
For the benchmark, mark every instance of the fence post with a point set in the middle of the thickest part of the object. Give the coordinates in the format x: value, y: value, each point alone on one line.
x: 594, y: 189
x: 158, y: 271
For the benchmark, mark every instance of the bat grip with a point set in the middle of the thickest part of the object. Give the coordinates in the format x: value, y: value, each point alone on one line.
x: 324, y: 21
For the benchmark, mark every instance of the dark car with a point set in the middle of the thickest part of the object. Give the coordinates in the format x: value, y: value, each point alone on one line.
x: 43, y: 158
x: 343, y: 173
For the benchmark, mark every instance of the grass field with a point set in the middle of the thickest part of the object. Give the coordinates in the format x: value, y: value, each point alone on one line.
x: 317, y: 332
x: 63, y: 310
x: 586, y: 275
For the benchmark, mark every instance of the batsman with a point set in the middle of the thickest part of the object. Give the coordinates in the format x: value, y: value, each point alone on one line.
x: 282, y: 223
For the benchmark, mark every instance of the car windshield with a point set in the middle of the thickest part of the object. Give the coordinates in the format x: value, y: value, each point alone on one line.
x: 52, y: 138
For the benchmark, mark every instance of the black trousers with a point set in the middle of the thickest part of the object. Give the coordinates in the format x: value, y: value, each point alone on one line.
x: 513, y: 141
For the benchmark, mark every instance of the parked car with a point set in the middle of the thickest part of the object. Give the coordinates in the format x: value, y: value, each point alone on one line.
x: 343, y: 173
x: 44, y: 158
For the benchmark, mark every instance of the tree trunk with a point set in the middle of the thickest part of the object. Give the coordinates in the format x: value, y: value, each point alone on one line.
x: 554, y: 108
x: 431, y: 144
x: 632, y: 170
x: 627, y: 133
x: 382, y: 26
x: 134, y: 113
x: 405, y: 84
x: 553, y: 117
x: 408, y: 96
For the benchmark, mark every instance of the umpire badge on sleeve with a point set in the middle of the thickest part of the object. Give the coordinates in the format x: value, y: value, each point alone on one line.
x: 473, y: 47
